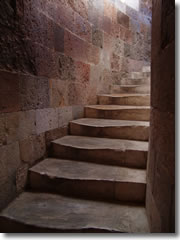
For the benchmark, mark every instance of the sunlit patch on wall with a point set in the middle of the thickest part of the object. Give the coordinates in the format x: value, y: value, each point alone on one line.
x: 132, y: 3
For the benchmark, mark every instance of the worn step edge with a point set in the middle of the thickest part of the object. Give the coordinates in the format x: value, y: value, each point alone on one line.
x: 136, y: 113
x: 131, y: 130
x: 71, y: 147
x: 88, y: 180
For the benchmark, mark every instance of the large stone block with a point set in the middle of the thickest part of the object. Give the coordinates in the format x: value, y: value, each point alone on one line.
x: 80, y: 6
x: 76, y: 47
x: 34, y: 92
x: 19, y: 125
x: 46, y: 119
x: 9, y: 92
x: 58, y: 93
x: 33, y: 148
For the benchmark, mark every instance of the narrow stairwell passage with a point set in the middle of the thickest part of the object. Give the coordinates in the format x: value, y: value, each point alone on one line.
x: 95, y: 180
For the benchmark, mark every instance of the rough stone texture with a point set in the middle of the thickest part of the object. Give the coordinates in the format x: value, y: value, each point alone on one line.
x: 161, y: 163
x: 33, y: 211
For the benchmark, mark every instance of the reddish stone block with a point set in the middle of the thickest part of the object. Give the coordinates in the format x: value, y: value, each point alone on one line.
x: 80, y: 6
x: 123, y: 19
x: 116, y: 30
x: 82, y: 28
x: 64, y: 15
x: 82, y: 72
x: 76, y: 47
x: 9, y: 92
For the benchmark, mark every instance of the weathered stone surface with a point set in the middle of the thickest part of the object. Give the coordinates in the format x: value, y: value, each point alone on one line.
x: 19, y: 125
x: 105, y: 151
x: 55, y: 134
x: 97, y: 216
x: 46, y: 119
x: 34, y: 92
x: 58, y: 38
x: 136, y: 89
x: 33, y: 148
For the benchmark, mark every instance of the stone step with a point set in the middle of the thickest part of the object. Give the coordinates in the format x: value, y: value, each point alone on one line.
x: 88, y: 180
x: 43, y: 213
x: 136, y: 113
x: 124, y: 99
x: 118, y: 129
x: 102, y: 150
x: 130, y: 89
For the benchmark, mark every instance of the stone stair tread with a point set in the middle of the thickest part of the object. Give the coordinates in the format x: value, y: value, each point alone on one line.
x: 43, y: 212
x: 116, y: 107
x: 101, y: 123
x: 76, y: 170
x: 82, y: 142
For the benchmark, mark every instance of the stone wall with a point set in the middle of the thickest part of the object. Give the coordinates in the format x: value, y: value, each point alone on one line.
x: 56, y: 55
x: 161, y: 163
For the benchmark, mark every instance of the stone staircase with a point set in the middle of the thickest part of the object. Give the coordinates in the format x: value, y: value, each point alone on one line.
x: 95, y: 180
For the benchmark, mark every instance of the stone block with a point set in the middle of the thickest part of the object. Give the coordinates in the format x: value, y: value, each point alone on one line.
x: 81, y: 7
x: 19, y: 125
x: 77, y: 94
x: 76, y: 47
x: 64, y: 116
x: 9, y: 92
x: 33, y: 148
x: 66, y: 68
x: 82, y: 28
x: 97, y: 38
x: 46, y: 119
x: 82, y: 72
x: 34, y: 92
x: 123, y: 19
x: 116, y: 62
